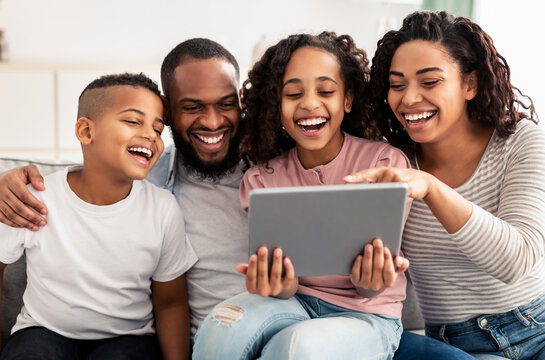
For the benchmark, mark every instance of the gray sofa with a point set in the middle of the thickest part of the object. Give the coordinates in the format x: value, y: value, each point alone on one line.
x: 15, y: 274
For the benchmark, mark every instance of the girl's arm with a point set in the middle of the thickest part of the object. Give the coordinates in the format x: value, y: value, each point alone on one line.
x: 171, y: 317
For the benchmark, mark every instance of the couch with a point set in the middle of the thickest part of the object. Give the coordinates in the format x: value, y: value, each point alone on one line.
x: 15, y: 274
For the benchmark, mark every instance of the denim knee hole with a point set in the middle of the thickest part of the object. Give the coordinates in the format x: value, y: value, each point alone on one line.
x: 227, y: 314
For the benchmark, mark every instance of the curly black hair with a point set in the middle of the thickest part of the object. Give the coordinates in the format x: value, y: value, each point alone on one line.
x: 92, y: 103
x: 498, y: 104
x: 263, y: 139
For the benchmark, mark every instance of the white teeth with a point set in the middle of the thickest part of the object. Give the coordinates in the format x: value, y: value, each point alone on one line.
x: 209, y: 139
x: 142, y: 150
x: 313, y: 121
x: 419, y: 116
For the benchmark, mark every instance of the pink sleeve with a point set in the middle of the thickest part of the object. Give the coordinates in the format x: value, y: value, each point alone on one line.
x: 251, y: 180
x: 393, y: 157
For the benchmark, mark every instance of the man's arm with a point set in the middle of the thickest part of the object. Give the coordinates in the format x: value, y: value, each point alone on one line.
x: 171, y: 317
x: 18, y: 207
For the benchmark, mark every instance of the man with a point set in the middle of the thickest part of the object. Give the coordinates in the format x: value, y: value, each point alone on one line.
x: 203, y: 170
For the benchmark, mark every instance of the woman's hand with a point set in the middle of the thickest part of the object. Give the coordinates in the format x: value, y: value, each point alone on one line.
x: 258, y: 280
x: 376, y: 270
x: 419, y: 182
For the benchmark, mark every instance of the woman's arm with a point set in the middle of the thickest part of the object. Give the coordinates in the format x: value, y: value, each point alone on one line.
x: 506, y: 244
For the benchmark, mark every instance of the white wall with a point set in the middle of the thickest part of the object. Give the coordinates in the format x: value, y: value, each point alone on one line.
x: 143, y: 31
x: 69, y: 42
x: 517, y: 28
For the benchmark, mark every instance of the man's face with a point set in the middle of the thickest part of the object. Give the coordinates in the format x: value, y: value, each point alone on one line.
x: 205, y: 114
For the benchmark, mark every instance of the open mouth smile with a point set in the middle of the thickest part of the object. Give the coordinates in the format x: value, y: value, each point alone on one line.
x: 420, y: 117
x: 311, y: 124
x: 141, y: 154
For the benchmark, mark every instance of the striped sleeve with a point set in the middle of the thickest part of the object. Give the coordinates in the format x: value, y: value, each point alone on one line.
x: 508, y: 245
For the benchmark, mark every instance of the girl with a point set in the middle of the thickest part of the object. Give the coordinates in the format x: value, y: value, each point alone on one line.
x: 306, y: 111
x: 475, y: 234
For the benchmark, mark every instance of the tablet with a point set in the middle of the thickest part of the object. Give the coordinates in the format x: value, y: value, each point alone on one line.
x: 324, y: 228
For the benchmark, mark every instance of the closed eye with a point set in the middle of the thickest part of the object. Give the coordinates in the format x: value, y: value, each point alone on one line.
x: 430, y: 83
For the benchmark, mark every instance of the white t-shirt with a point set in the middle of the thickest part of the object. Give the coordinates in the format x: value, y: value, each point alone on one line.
x: 90, y: 269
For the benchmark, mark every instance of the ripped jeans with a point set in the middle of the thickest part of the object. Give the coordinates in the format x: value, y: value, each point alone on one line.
x: 303, y: 327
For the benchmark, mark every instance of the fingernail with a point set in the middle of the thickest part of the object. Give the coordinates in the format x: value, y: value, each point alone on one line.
x: 34, y: 228
x: 43, y: 211
x: 348, y: 178
x: 42, y: 223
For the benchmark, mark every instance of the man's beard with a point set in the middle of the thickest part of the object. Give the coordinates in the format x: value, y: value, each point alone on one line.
x: 207, y: 171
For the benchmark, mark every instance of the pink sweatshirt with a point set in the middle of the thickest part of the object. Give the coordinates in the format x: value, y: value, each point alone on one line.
x: 356, y: 154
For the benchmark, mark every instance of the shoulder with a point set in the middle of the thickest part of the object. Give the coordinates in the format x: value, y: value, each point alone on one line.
x: 380, y: 151
x: 265, y: 176
x: 527, y: 138
x: 159, y: 174
x: 159, y: 197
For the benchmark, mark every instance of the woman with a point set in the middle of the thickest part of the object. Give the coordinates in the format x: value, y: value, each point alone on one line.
x: 475, y: 233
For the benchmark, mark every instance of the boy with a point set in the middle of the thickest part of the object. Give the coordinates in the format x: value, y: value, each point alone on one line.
x: 115, y: 250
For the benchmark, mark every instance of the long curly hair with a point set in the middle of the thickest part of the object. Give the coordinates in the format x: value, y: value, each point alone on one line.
x: 263, y: 139
x: 498, y: 104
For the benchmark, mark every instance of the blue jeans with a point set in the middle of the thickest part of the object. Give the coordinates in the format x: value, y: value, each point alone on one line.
x: 302, y: 327
x: 42, y: 344
x: 516, y: 334
x: 417, y: 347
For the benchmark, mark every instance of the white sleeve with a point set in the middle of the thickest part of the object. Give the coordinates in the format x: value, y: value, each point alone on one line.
x: 12, y: 243
x: 177, y: 254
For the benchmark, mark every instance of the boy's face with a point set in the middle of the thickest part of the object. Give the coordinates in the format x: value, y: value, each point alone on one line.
x: 126, y: 140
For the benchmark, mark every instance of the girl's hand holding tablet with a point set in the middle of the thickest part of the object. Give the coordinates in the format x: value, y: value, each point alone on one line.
x: 258, y: 280
x: 376, y: 269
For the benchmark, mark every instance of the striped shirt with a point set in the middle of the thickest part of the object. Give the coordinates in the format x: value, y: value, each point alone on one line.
x: 496, y: 261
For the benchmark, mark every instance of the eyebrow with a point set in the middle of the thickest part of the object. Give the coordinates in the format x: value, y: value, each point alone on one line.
x: 421, y: 71
x: 187, y: 99
x: 298, y: 81
x: 132, y: 110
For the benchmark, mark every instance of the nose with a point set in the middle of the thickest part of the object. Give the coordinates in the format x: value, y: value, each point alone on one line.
x: 212, y: 118
x: 310, y: 102
x: 150, y: 133
x: 411, y: 96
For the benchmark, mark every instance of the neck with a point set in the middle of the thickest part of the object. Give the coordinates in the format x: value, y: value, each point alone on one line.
x: 311, y: 158
x: 453, y: 159
x: 98, y: 189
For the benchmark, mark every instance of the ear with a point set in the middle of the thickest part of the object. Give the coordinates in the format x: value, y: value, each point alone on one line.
x: 471, y: 85
x: 85, y: 130
x: 166, y: 111
x: 348, y: 98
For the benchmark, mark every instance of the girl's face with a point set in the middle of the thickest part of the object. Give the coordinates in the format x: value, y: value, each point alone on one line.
x: 313, y: 103
x: 428, y: 93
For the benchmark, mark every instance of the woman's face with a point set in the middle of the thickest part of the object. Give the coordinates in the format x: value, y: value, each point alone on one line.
x: 313, y: 103
x: 428, y: 93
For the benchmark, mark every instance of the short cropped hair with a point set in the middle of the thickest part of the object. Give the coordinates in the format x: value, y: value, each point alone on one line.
x: 95, y: 98
x: 197, y: 48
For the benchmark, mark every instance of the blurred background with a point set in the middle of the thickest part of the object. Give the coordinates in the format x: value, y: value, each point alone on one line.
x: 51, y: 49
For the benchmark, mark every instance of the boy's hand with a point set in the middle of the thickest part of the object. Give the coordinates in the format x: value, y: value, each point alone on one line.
x: 16, y: 201
x: 258, y: 280
x: 375, y: 270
